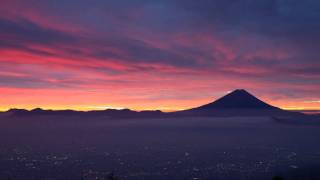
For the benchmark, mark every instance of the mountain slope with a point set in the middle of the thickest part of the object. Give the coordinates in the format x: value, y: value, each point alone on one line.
x: 239, y: 99
x: 237, y: 103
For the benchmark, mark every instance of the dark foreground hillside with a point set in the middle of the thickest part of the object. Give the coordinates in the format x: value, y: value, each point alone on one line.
x: 56, y: 147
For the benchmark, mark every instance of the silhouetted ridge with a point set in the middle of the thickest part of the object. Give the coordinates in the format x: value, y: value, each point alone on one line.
x: 122, y: 113
x: 238, y: 99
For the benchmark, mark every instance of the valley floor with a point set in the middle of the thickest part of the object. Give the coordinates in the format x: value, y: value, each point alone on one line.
x: 51, y: 147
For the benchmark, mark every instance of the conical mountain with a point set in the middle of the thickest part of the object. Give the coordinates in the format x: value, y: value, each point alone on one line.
x: 237, y: 103
x: 238, y: 99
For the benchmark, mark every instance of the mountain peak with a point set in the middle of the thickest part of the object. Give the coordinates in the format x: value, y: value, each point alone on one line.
x: 237, y: 99
x: 240, y: 91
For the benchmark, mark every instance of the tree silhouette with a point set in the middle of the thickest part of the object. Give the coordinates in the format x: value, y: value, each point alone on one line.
x: 111, y: 176
x: 277, y: 178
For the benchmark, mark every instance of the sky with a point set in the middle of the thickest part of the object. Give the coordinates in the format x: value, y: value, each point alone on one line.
x: 157, y: 54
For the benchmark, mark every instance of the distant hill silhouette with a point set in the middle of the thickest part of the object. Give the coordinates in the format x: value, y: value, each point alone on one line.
x: 237, y: 103
x: 114, y: 113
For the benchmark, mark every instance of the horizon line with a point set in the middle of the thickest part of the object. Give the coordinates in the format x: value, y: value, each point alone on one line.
x: 101, y: 107
x: 126, y: 108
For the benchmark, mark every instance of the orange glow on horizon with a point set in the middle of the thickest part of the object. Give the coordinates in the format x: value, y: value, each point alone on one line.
x: 170, y: 105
